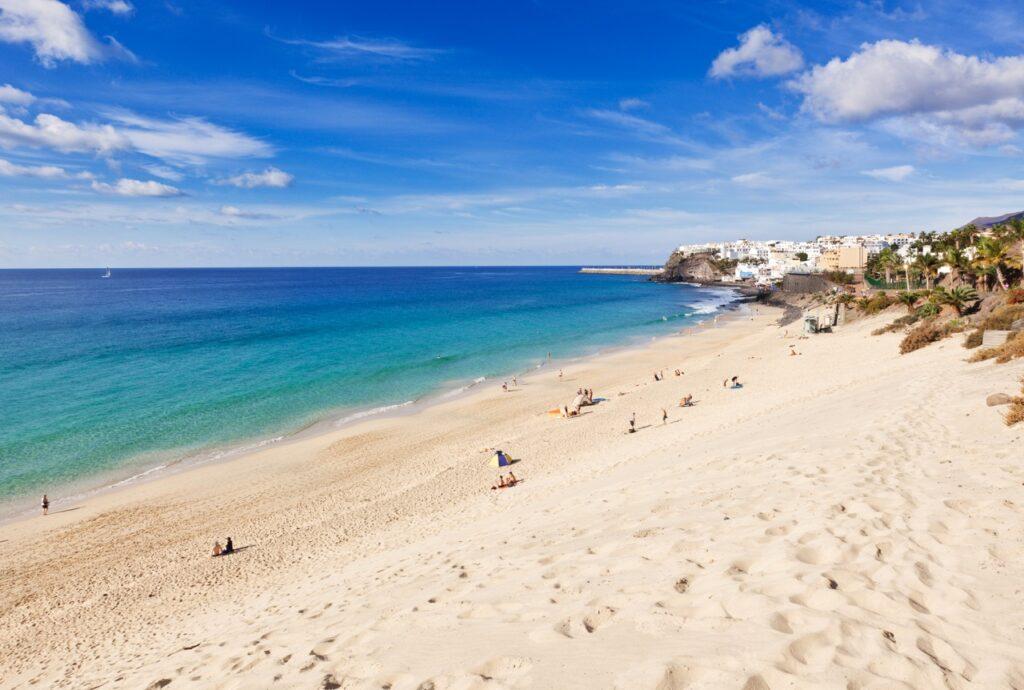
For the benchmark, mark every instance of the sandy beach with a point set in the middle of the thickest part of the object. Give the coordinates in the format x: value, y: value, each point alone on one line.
x: 849, y: 518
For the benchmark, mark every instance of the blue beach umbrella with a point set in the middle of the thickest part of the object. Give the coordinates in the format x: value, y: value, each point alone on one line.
x: 500, y: 459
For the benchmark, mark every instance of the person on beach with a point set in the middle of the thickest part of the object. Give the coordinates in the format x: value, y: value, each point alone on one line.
x: 217, y: 550
x: 565, y: 411
x: 792, y: 351
x: 501, y: 483
x: 678, y: 372
x: 504, y: 387
x: 632, y: 424
x: 559, y: 373
x: 229, y: 547
x: 656, y: 376
x: 512, y: 481
x: 45, y: 503
x: 736, y: 382
x: 664, y: 416
x: 515, y: 382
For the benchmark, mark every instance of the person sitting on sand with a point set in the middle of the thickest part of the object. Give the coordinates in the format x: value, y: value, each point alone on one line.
x: 678, y: 372
x: 565, y: 411
x: 792, y: 351
x: 736, y: 382
x: 501, y: 483
x: 504, y: 387
x: 45, y: 503
x: 229, y: 547
x: 512, y: 481
x: 687, y: 400
x: 559, y: 373
x: 217, y: 550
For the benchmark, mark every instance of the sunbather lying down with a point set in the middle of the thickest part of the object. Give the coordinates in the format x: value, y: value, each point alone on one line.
x: 505, y: 483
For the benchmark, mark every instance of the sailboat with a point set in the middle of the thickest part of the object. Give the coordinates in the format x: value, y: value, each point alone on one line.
x: 107, y: 274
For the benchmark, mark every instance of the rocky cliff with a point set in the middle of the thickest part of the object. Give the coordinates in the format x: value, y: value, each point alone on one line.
x: 695, y: 268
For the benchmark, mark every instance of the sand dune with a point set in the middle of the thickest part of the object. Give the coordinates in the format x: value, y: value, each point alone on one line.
x: 848, y: 519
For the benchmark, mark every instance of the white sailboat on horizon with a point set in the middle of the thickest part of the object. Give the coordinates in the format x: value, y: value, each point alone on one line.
x: 107, y: 274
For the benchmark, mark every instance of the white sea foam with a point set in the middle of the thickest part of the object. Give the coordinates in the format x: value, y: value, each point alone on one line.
x: 363, y: 414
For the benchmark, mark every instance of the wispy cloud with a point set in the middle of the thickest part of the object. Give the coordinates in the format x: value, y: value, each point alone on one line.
x: 187, y: 140
x: 120, y: 7
x: 896, y: 173
x: 50, y: 172
x: 358, y: 47
x: 271, y: 177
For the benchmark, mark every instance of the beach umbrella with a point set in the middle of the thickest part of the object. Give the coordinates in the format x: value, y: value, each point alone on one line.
x: 500, y: 459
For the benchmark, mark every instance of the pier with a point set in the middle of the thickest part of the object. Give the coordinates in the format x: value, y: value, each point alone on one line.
x: 625, y: 271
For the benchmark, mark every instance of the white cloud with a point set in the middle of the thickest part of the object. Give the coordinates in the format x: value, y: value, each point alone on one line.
x: 122, y: 7
x: 54, y: 30
x: 271, y: 177
x: 51, y: 172
x: 350, y: 47
x: 752, y: 179
x: 14, y: 96
x: 164, y: 172
x: 633, y: 104
x: 50, y: 131
x: 921, y: 92
x: 128, y: 187
x: 897, y: 173
x: 761, y: 53
x: 235, y: 212
x: 189, y: 140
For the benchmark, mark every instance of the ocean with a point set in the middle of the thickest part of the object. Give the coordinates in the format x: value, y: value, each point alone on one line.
x: 105, y: 380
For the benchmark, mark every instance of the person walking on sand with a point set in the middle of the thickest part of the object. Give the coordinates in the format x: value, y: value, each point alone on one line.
x: 632, y: 424
x: 664, y: 416
x: 515, y: 382
x: 504, y: 387
x: 45, y: 503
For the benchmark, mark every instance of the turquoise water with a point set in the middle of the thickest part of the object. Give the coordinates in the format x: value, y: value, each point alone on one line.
x: 104, y: 378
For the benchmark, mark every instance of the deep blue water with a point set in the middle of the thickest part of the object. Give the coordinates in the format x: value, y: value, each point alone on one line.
x: 105, y: 377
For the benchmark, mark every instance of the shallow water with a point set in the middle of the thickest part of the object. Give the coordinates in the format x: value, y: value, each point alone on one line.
x: 109, y: 377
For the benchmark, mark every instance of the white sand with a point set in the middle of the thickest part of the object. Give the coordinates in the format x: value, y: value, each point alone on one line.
x: 849, y: 519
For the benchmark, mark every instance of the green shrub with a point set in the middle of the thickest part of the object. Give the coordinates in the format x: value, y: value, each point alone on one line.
x: 927, y: 310
x: 879, y: 301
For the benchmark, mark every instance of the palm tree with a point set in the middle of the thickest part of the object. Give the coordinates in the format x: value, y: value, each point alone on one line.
x: 887, y: 260
x: 958, y: 297
x: 908, y: 299
x: 957, y: 261
x: 1013, y: 233
x: 929, y: 266
x: 991, y: 256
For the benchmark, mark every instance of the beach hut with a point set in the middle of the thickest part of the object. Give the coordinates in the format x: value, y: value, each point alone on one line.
x: 500, y: 459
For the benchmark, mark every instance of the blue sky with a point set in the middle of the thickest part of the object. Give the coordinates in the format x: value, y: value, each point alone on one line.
x: 185, y: 133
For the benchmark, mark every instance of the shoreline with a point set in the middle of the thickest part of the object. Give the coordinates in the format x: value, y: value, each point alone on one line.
x: 17, y: 509
x: 788, y: 519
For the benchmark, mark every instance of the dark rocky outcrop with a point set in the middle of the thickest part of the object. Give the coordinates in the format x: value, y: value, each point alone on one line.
x: 695, y: 268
